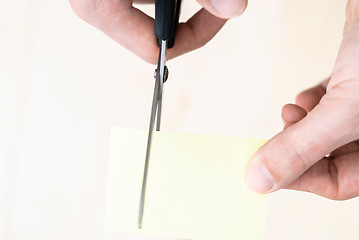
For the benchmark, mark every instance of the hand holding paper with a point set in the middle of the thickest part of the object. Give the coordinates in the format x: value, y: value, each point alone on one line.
x: 319, y: 152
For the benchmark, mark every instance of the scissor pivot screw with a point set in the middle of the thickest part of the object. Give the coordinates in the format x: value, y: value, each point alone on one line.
x: 165, y: 76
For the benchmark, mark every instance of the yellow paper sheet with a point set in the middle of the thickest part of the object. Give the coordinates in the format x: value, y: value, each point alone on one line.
x: 195, y: 187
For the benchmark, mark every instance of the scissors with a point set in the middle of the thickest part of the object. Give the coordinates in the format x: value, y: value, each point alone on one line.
x: 166, y: 20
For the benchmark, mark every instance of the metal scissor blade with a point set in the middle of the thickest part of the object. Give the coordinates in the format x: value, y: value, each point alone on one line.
x: 161, y: 67
x: 155, y: 110
x: 159, y: 110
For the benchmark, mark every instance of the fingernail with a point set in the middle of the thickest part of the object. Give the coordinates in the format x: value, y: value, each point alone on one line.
x: 259, y: 179
x: 228, y: 8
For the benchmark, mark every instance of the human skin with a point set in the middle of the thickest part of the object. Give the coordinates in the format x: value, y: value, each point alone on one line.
x: 318, y: 150
x: 134, y: 30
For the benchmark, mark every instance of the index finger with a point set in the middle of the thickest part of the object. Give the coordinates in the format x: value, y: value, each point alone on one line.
x: 134, y: 30
x: 289, y: 154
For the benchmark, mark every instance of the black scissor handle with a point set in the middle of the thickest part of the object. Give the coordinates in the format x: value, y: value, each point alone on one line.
x: 166, y: 20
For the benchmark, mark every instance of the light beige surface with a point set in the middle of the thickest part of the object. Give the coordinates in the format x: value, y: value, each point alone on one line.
x: 195, y: 186
x: 63, y: 84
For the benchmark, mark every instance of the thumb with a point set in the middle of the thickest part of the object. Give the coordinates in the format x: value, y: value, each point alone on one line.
x: 289, y: 154
x: 224, y: 8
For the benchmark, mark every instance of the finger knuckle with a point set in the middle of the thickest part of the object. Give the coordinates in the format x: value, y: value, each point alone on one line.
x: 300, y: 159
